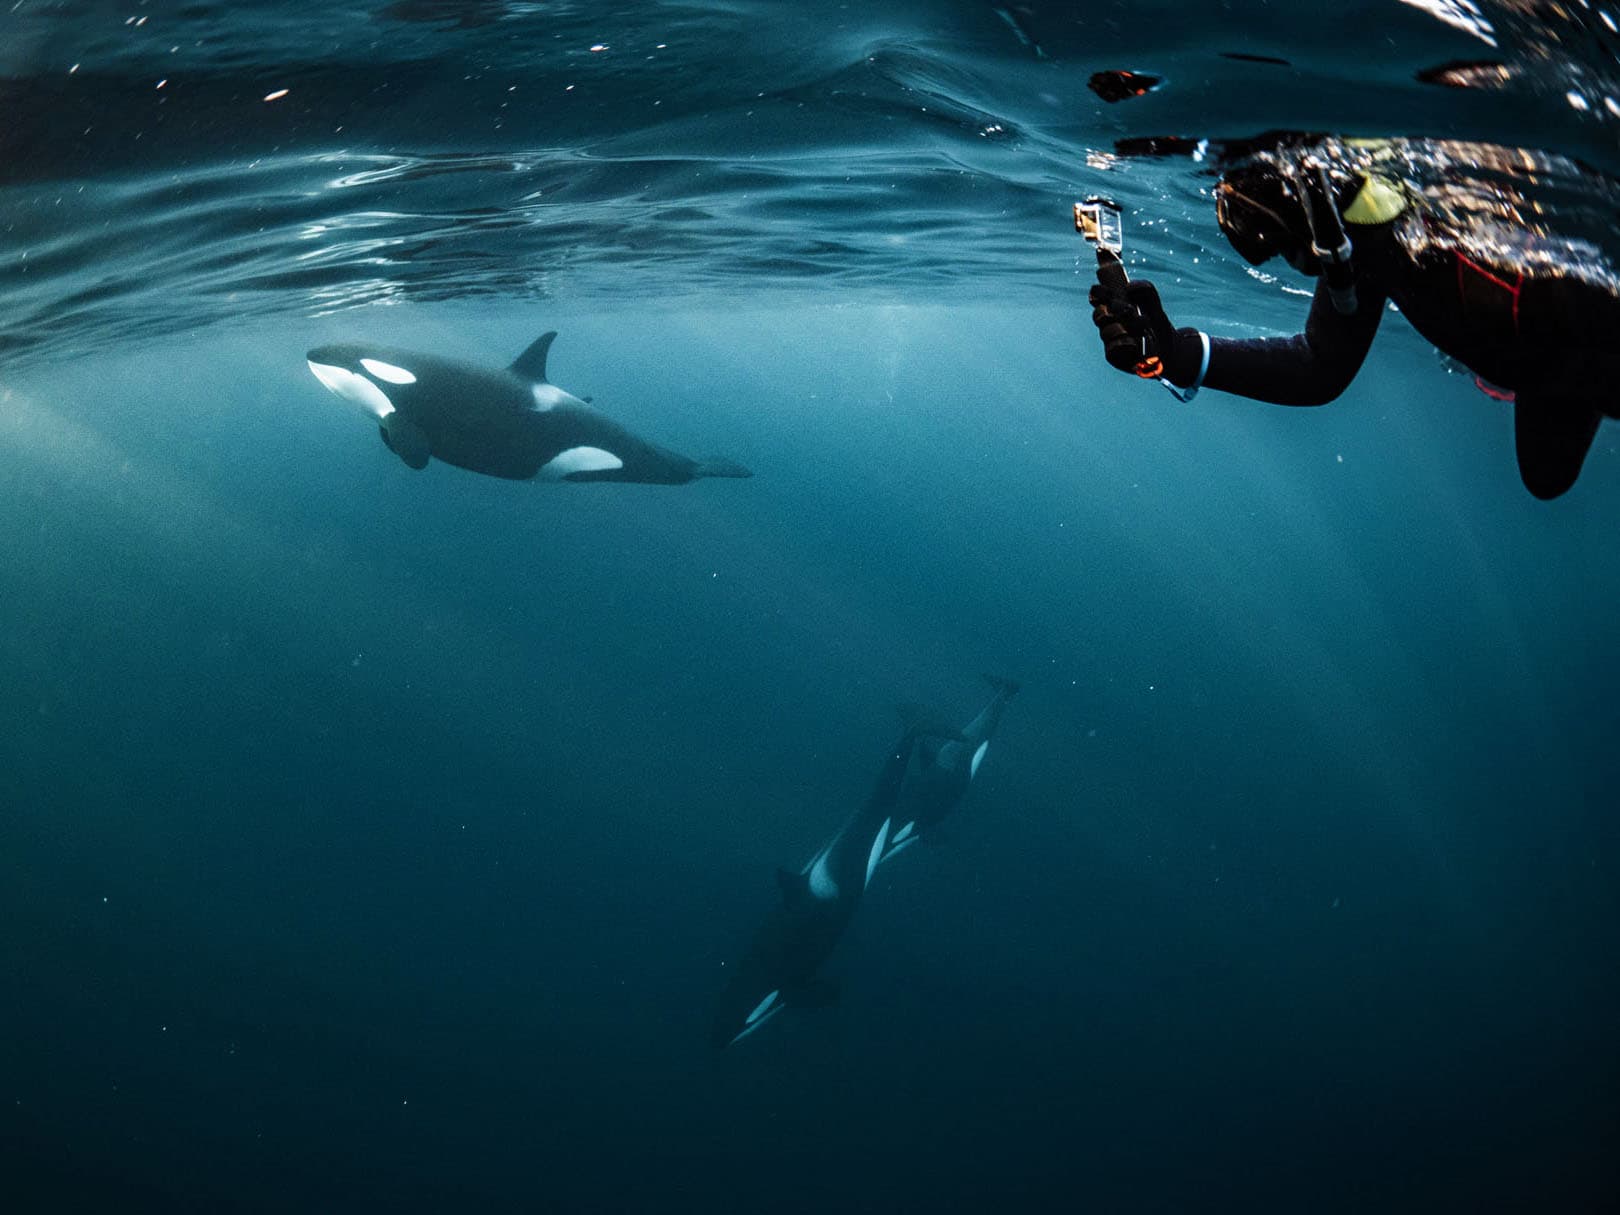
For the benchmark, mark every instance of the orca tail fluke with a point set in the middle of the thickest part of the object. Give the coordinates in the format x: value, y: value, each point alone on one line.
x: 719, y: 466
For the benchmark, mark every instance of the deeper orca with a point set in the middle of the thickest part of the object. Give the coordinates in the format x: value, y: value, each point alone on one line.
x: 510, y: 422
x: 780, y: 968
x: 946, y: 766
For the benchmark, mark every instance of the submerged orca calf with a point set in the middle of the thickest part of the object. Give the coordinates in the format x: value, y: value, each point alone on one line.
x: 779, y: 969
x: 946, y: 767
x: 510, y: 423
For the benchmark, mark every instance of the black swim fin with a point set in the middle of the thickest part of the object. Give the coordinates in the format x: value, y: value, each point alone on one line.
x: 1552, y: 437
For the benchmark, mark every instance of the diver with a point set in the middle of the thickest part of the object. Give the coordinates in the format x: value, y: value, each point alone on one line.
x: 1536, y: 321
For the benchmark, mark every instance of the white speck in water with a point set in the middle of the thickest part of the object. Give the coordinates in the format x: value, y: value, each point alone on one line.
x: 277, y: 95
x: 1576, y: 101
x: 355, y: 661
x: 1339, y: 457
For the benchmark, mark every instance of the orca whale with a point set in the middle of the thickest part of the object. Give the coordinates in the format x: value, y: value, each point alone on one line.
x: 779, y: 970
x: 510, y: 422
x: 946, y: 766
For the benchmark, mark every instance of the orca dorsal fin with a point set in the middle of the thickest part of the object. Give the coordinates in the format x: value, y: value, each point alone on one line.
x: 531, y: 364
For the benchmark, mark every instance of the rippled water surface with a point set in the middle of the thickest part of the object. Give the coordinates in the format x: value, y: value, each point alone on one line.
x: 374, y: 839
x: 171, y: 165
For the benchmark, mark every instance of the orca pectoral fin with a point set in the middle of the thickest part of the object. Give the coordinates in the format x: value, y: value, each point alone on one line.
x: 405, y: 440
x: 910, y: 714
x: 531, y: 364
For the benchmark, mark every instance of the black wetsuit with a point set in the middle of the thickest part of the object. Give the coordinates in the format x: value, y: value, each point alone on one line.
x: 1554, y: 341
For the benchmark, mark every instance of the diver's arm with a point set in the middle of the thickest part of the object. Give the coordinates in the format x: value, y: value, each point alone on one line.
x: 1310, y: 368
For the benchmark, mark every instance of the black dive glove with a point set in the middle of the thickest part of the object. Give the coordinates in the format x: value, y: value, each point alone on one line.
x: 1137, y: 336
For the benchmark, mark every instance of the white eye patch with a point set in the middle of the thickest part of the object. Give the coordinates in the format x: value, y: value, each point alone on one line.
x: 387, y: 371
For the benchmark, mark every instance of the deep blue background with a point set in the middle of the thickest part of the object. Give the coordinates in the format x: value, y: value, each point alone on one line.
x: 377, y: 839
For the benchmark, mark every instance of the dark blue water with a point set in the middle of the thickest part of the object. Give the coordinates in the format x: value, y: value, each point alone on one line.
x: 379, y: 840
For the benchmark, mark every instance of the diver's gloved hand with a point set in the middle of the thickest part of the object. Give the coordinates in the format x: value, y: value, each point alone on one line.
x: 1125, y: 313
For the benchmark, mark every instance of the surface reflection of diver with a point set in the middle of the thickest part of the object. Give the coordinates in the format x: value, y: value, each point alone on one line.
x: 1535, y: 328
x: 782, y: 965
x: 945, y: 766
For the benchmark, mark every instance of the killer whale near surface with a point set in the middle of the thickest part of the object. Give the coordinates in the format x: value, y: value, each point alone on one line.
x: 512, y: 423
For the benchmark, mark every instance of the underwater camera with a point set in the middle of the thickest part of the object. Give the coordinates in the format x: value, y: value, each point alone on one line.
x: 1101, y: 221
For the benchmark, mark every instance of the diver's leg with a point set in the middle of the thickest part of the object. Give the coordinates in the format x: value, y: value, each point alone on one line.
x: 1552, y: 435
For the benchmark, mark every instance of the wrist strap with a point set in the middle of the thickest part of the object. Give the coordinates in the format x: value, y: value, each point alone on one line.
x: 1189, y: 392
